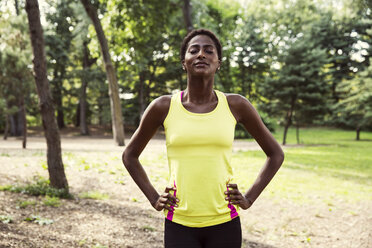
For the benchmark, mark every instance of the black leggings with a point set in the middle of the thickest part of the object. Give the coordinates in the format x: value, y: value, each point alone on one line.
x: 226, y: 235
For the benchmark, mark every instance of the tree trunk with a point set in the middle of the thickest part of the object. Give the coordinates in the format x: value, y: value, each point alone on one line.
x: 288, y: 121
x: 60, y: 115
x: 358, y: 133
x: 6, y: 131
x: 298, y: 134
x: 83, y: 97
x: 116, y: 113
x: 83, y: 109
x: 55, y: 166
x: 57, y: 96
x: 13, y: 129
x: 285, y: 133
x: 77, y: 119
x: 19, y: 125
x: 187, y: 15
x: 16, y: 7
x: 100, y: 108
x: 24, y: 121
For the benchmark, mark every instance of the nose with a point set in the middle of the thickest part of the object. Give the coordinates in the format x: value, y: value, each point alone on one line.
x: 201, y: 54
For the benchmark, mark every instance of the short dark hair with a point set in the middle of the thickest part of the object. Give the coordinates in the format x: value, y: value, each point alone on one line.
x: 196, y: 32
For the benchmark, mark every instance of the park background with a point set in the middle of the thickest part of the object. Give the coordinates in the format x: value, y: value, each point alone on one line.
x: 305, y: 66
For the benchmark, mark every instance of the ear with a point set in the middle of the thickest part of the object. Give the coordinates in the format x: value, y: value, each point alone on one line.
x: 219, y: 65
x: 183, y: 65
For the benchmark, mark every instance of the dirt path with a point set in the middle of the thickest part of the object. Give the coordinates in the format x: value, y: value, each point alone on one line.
x: 126, y: 219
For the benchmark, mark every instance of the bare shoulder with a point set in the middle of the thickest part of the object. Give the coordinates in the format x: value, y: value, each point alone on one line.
x: 158, y: 109
x: 239, y: 106
x: 162, y: 103
x: 236, y: 100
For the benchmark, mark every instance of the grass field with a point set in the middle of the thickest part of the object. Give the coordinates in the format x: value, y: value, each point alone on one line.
x: 329, y: 163
x: 321, y: 197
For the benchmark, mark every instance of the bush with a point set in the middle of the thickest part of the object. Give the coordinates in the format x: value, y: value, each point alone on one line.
x: 40, y: 187
x: 242, y: 133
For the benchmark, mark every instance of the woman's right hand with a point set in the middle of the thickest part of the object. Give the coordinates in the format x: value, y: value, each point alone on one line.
x: 166, y: 200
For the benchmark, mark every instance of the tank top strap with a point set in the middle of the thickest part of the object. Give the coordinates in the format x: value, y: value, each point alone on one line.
x: 224, y: 104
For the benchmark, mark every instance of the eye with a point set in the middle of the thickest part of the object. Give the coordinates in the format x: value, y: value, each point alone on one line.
x: 193, y: 51
x: 209, y: 51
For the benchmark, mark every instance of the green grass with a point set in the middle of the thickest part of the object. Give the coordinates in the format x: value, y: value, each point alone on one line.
x: 40, y: 186
x: 330, y: 164
x: 96, y: 195
x: 322, y: 136
x: 5, y: 219
x: 25, y: 204
x: 39, y: 220
x: 51, y: 201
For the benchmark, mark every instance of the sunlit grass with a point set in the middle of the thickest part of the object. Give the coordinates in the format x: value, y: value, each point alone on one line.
x: 329, y: 164
x: 96, y: 195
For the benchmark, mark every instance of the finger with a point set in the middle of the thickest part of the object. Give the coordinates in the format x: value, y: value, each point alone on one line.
x: 232, y: 185
x: 160, y: 206
x: 168, y: 208
x: 233, y: 192
x: 164, y: 206
x: 167, y: 189
x: 171, y: 203
x: 170, y: 197
x: 236, y: 197
x: 173, y: 198
x: 166, y: 201
x: 239, y: 196
x: 163, y: 200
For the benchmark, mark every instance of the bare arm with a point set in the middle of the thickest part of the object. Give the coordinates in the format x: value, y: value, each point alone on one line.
x: 152, y: 119
x: 246, y: 114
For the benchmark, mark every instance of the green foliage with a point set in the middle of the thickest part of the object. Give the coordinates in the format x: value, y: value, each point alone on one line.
x: 96, y: 195
x: 40, y: 186
x: 297, y: 92
x: 241, y: 132
x: 259, y: 40
x: 16, y: 78
x: 99, y: 246
x: 58, y: 40
x: 39, y: 220
x: 328, y: 155
x: 355, y: 109
x: 145, y: 42
x: 25, y: 204
x: 52, y: 201
x: 149, y: 229
x: 6, y: 219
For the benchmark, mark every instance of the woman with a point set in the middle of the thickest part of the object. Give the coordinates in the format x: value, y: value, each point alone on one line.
x: 202, y: 202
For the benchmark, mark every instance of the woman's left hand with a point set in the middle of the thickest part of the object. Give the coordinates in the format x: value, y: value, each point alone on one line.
x: 234, y: 196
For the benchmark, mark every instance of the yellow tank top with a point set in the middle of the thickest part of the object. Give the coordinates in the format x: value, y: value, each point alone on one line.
x: 199, y: 147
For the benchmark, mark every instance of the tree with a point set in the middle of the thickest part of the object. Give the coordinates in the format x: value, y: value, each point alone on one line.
x: 186, y: 9
x: 15, y: 76
x: 116, y: 113
x: 85, y: 62
x: 54, y: 157
x: 355, y: 109
x: 143, y: 44
x: 298, y: 88
x: 58, y: 47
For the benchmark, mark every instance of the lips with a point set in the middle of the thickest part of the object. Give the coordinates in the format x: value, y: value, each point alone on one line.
x: 201, y: 63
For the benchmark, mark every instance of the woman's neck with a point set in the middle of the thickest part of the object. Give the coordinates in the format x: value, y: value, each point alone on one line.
x: 199, y: 90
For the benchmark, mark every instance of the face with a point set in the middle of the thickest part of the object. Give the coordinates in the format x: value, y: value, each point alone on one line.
x: 201, y: 56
